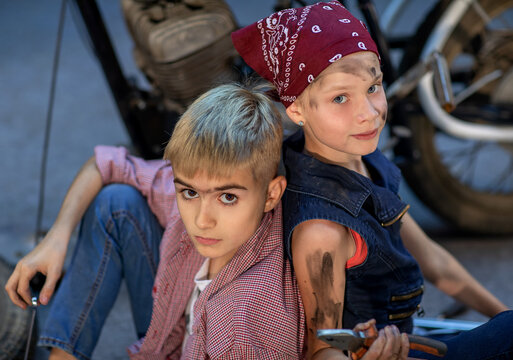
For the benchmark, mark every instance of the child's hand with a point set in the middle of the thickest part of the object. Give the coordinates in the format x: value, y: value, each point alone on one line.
x: 47, y: 258
x: 389, y: 344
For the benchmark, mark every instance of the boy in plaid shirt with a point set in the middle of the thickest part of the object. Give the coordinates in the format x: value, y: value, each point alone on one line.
x: 209, y: 215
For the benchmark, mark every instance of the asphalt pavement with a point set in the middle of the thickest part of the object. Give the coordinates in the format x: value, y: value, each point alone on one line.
x: 85, y: 115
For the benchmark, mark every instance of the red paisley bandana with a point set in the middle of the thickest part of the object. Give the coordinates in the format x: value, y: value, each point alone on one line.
x: 291, y: 47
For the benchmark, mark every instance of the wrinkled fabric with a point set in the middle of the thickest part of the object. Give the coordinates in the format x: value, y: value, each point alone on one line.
x: 291, y: 47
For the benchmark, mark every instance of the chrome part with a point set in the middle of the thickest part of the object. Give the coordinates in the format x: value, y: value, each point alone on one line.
x: 454, y: 126
x: 405, y: 84
x: 459, y: 325
x: 427, y: 96
x: 444, y: 28
x: 342, y: 339
x: 442, y: 80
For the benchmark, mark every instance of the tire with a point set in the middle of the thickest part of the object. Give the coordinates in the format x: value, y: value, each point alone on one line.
x: 14, y: 322
x: 467, y: 182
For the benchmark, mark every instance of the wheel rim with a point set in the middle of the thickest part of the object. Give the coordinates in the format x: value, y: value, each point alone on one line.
x: 484, y: 167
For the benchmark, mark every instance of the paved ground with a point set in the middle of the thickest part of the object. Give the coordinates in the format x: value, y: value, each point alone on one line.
x: 85, y: 115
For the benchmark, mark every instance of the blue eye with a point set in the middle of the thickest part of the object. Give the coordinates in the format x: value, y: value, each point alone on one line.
x: 189, y: 194
x: 340, y: 99
x: 228, y: 199
x: 373, y: 89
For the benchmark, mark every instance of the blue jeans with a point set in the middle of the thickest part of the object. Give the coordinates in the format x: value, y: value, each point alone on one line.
x: 119, y: 238
x: 492, y: 340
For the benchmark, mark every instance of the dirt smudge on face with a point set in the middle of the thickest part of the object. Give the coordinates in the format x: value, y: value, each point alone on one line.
x: 321, y: 273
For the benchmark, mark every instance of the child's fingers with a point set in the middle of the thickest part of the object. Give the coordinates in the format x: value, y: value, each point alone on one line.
x: 12, y: 290
x: 49, y: 287
x: 365, y: 326
x: 376, y: 349
x: 389, y: 345
x: 392, y: 348
x: 24, y: 274
x: 405, y: 346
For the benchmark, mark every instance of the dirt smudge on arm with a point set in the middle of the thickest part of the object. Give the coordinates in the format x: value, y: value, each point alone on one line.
x: 328, y: 310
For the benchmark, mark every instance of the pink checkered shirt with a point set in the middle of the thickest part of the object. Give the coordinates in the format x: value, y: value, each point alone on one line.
x: 251, y: 310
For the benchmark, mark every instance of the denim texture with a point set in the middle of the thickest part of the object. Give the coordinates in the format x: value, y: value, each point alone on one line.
x: 119, y: 239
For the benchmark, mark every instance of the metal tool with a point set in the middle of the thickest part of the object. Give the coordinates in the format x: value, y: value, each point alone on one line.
x: 36, y: 284
x: 32, y: 325
x: 358, y: 343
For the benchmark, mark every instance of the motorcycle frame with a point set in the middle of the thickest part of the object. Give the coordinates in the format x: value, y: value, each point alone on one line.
x: 143, y: 119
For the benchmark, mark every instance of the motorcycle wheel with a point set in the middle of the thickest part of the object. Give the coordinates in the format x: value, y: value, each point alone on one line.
x: 468, y: 182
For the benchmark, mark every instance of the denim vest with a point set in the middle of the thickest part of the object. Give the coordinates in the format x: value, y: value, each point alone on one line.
x: 388, y: 285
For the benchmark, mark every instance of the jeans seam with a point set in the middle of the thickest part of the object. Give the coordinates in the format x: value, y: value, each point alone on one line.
x: 94, y: 291
x: 140, y: 235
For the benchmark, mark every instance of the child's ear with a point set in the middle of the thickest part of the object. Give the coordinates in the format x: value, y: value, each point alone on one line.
x: 275, y: 190
x: 295, y: 113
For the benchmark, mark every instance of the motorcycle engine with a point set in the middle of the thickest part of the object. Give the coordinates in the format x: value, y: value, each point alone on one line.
x: 182, y: 46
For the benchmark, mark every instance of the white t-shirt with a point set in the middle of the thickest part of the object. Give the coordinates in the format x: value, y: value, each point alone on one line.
x: 201, y: 283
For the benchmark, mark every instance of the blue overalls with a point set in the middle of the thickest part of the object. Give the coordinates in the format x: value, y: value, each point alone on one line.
x: 388, y: 285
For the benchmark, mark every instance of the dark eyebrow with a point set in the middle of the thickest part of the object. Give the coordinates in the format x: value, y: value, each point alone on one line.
x: 220, y: 188
x: 378, y: 77
x: 339, y: 87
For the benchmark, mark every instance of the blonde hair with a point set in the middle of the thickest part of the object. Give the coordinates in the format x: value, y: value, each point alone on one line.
x: 229, y: 127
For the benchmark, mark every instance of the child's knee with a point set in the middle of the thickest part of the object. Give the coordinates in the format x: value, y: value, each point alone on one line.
x: 111, y: 200
x: 119, y: 196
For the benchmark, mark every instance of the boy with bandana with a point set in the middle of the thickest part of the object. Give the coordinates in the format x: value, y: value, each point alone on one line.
x: 356, y: 252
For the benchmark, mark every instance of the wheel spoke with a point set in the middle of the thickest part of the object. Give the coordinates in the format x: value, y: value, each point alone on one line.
x: 481, y: 12
x: 462, y: 162
x: 461, y: 154
x: 467, y: 161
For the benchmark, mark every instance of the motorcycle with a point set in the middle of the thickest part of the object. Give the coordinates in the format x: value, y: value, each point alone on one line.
x: 450, y: 96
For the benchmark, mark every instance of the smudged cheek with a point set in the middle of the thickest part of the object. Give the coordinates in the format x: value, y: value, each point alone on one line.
x: 382, y: 113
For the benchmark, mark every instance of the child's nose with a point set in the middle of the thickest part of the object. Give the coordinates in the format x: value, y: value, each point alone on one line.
x: 366, y: 110
x: 204, y: 217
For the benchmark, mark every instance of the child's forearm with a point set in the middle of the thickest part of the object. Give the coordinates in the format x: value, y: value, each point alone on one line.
x: 445, y: 271
x: 329, y: 353
x: 82, y: 191
x: 49, y: 255
x: 460, y: 284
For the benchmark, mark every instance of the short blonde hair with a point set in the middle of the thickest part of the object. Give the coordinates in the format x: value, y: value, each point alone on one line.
x: 229, y: 127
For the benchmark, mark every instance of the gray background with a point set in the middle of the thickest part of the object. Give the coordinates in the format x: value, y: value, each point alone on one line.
x: 85, y: 115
